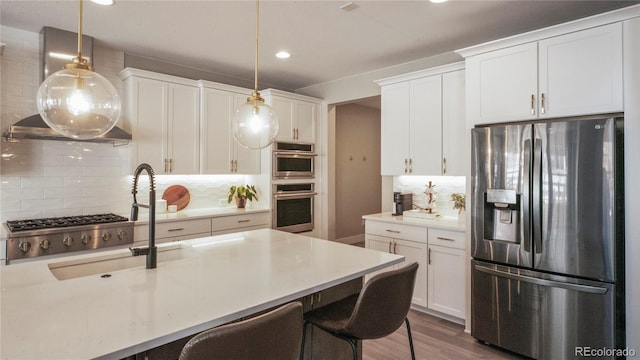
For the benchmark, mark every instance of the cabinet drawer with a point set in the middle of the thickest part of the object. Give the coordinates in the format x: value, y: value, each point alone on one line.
x: 447, y: 238
x: 240, y: 221
x: 397, y: 231
x: 174, y: 229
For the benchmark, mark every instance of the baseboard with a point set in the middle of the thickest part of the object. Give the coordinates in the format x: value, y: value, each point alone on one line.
x: 351, y: 239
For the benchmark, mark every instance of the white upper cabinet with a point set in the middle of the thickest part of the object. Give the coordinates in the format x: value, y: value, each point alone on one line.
x: 220, y: 153
x: 297, y: 115
x: 162, y: 112
x: 421, y: 113
x: 566, y: 75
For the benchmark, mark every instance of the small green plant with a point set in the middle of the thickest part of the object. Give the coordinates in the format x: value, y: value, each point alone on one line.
x: 247, y: 192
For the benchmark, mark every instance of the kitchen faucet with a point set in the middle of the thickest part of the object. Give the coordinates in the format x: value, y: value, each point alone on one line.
x: 151, y: 251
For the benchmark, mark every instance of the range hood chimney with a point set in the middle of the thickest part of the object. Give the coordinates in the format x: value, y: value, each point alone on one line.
x: 57, y: 48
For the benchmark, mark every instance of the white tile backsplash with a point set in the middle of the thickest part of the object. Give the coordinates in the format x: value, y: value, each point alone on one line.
x: 444, y: 187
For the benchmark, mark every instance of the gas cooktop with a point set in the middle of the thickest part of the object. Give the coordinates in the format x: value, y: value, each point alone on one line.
x: 59, y: 222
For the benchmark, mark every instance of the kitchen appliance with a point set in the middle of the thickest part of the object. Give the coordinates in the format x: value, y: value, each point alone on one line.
x: 58, y: 235
x: 293, y: 207
x: 548, y: 236
x: 402, y: 202
x: 293, y: 160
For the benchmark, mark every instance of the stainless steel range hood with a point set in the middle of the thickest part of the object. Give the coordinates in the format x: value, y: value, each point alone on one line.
x: 33, y: 127
x: 57, y: 47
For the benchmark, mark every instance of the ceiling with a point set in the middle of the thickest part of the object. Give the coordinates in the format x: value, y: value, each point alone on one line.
x: 326, y: 42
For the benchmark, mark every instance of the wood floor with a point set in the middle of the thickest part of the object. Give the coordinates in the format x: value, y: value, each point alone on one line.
x: 433, y: 339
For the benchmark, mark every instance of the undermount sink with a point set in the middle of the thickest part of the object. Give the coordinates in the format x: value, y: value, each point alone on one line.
x: 106, y: 264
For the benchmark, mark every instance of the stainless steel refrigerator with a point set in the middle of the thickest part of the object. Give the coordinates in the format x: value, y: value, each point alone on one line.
x: 548, y: 237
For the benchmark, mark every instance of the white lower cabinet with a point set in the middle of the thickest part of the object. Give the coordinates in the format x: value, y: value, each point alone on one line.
x: 446, y: 270
x: 409, y: 241
x: 440, y: 254
x: 244, y: 222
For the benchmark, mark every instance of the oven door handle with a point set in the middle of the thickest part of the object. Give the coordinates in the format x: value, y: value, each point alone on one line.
x: 298, y: 195
x: 294, y: 153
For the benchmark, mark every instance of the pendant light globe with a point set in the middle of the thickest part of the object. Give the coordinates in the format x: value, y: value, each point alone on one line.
x: 255, y: 125
x: 78, y: 103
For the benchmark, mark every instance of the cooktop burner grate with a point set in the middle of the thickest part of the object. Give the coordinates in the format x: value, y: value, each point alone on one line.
x: 66, y: 221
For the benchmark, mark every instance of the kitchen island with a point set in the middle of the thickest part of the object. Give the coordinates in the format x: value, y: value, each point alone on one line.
x: 128, y: 310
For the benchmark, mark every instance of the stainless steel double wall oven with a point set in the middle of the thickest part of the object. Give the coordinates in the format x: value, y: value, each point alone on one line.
x: 293, y: 187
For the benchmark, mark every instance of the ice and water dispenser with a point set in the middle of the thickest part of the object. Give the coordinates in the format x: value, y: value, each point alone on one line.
x: 502, y: 215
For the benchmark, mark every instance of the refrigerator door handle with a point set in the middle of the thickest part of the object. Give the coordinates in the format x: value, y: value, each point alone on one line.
x: 537, y: 199
x: 525, y: 197
x: 543, y: 282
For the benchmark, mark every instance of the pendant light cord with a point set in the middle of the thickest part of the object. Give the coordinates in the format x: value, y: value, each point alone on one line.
x: 256, y: 60
x: 80, y: 33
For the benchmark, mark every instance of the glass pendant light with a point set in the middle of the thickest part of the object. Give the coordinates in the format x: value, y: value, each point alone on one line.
x: 78, y: 102
x: 255, y: 125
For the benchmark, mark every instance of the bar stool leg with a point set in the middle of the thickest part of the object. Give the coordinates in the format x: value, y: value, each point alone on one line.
x: 413, y: 354
x: 304, y: 335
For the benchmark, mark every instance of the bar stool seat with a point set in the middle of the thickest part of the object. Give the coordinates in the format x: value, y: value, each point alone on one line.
x: 377, y: 311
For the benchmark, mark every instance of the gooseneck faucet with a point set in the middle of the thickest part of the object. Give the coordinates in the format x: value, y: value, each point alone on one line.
x: 151, y: 251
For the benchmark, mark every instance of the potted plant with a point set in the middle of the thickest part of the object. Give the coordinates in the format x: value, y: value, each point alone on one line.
x: 242, y: 193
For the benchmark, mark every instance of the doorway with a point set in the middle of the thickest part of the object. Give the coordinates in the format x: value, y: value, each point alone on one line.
x: 356, y: 179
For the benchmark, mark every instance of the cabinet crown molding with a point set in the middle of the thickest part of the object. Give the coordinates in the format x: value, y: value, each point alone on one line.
x: 129, y: 72
x: 292, y: 96
x: 437, y: 70
x: 555, y: 30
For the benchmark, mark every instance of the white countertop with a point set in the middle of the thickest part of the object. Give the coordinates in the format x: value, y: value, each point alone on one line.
x: 225, y: 278
x: 441, y: 223
x: 187, y: 214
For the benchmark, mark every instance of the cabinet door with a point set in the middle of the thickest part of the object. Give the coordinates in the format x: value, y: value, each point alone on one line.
x: 394, y: 147
x: 415, y: 252
x: 379, y: 243
x: 305, y: 121
x: 216, y: 146
x: 454, y: 135
x: 425, y: 127
x: 581, y: 72
x: 446, y: 280
x: 184, y: 129
x: 149, y: 118
x: 284, y: 109
x: 502, y: 84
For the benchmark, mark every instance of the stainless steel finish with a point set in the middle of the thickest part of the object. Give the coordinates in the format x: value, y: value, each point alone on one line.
x: 293, y: 207
x: 540, y: 315
x: 151, y: 251
x: 293, y: 160
x: 548, y: 235
x: 42, y: 242
x: 55, y: 42
x: 33, y: 127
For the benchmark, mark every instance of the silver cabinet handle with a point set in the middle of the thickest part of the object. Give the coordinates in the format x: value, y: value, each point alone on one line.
x: 395, y: 246
x: 410, y: 165
x: 533, y: 104
x: 244, y: 221
x: 406, y: 161
x: 429, y: 257
x: 444, y: 238
x: 176, y: 229
x: 170, y: 165
x: 393, y: 231
x: 165, y: 165
x: 542, y: 111
x: 444, y: 166
x: 543, y: 282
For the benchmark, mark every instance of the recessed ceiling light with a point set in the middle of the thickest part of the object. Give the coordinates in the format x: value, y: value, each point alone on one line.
x: 437, y: 1
x: 103, y: 2
x: 283, y: 55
